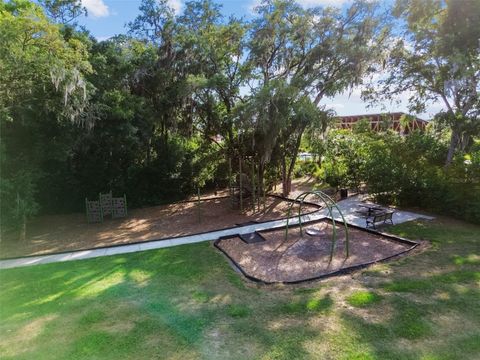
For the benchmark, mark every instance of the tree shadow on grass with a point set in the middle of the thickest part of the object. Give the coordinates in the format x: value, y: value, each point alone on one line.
x: 414, y: 316
x: 135, y: 305
x: 80, y: 292
x: 155, y: 303
x: 166, y: 302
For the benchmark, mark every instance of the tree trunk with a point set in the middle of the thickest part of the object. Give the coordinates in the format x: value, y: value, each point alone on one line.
x: 285, y: 190
x: 261, y: 182
x: 240, y: 184
x: 287, y: 174
x: 198, y: 205
x: 453, y: 146
x: 23, y: 230
x: 253, y: 185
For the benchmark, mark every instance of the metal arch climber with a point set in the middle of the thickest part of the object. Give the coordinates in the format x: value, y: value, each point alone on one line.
x: 329, y: 204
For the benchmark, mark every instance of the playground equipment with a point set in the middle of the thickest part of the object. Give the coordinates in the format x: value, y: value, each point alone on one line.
x: 94, y: 211
x: 240, y: 191
x: 105, y: 205
x: 245, y: 187
x: 330, y: 205
x: 119, y: 207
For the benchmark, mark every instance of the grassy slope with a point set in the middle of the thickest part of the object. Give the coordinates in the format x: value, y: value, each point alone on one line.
x: 186, y: 302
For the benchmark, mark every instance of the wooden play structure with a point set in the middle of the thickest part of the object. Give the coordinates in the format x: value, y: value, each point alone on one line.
x: 106, y: 205
x: 245, y: 189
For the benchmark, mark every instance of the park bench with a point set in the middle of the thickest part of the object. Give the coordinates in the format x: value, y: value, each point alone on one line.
x: 378, y: 217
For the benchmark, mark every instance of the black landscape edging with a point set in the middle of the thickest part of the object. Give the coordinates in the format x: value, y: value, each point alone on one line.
x: 343, y: 271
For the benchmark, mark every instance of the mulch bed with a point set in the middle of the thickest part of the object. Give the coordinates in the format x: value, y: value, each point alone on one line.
x: 51, y: 234
x: 300, y: 258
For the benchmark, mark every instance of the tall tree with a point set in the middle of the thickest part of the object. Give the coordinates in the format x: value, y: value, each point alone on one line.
x: 315, y: 53
x: 437, y: 58
x: 215, y: 49
x: 63, y: 11
x: 42, y: 86
x: 161, y: 78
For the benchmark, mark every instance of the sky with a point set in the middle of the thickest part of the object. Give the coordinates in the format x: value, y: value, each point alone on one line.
x: 109, y: 17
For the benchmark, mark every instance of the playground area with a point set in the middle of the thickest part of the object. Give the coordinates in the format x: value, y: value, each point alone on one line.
x: 300, y: 257
x: 59, y: 233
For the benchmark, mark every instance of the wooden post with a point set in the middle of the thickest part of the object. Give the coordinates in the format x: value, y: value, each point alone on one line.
x: 198, y: 204
x: 264, y: 200
x: 253, y: 185
x: 21, y: 211
x: 240, y: 183
x: 259, y: 189
x: 230, y: 190
x: 264, y: 197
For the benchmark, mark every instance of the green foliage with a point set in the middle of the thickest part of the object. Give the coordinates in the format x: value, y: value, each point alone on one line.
x: 344, y: 159
x: 63, y: 11
x: 42, y: 89
x: 437, y: 59
x: 18, y: 199
x: 305, y: 168
x: 54, y: 78
x: 410, y: 172
x: 161, y: 107
x: 300, y: 56
x: 157, y: 113
x: 405, y: 170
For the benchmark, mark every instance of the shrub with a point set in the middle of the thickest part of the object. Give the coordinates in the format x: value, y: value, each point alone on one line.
x: 406, y: 171
x: 305, y: 168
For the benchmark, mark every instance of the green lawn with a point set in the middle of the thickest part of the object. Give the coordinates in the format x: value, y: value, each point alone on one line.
x: 187, y: 303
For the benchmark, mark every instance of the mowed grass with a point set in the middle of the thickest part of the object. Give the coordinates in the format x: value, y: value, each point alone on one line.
x: 188, y: 303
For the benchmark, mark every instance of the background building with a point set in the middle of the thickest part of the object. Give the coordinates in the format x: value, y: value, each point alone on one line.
x: 398, y: 121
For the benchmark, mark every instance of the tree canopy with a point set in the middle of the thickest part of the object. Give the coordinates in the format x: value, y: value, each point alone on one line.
x: 437, y: 58
x: 170, y: 106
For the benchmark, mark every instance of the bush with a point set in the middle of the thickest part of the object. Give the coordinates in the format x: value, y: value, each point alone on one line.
x: 305, y: 168
x: 406, y: 171
x: 344, y: 160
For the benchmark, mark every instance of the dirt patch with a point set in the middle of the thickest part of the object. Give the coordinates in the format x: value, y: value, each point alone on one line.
x: 50, y: 234
x: 299, y: 258
x: 24, y: 336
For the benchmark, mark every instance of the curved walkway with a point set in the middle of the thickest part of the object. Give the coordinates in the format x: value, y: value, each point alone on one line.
x: 347, y: 206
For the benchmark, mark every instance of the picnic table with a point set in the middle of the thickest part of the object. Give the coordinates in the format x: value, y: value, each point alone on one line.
x: 372, y: 208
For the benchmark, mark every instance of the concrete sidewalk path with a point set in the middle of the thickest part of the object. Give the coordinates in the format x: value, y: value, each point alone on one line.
x: 349, y: 208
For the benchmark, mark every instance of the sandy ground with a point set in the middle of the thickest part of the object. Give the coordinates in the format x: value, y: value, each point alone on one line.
x: 304, y: 184
x: 58, y: 233
x: 299, y: 258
